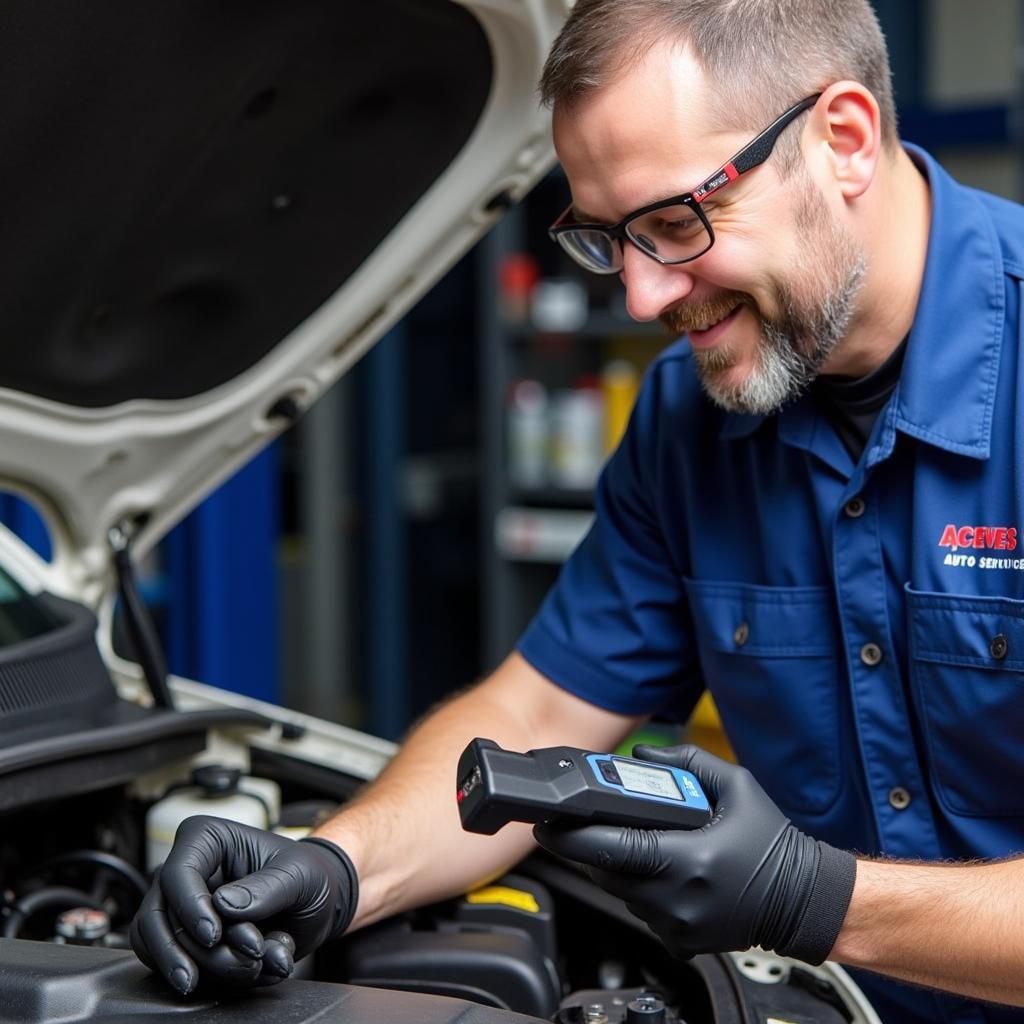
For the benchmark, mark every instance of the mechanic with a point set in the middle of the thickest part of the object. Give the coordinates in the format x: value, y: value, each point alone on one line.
x: 814, y: 514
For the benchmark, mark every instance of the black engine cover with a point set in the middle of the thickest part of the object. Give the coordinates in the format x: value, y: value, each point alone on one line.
x: 42, y: 983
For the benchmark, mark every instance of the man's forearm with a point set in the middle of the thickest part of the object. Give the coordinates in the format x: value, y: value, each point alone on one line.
x: 403, y: 832
x: 958, y: 927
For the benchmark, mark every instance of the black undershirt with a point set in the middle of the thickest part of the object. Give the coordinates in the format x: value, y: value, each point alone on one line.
x: 852, y: 404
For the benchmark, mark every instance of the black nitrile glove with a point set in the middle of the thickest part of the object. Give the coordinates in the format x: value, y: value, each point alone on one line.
x: 747, y: 878
x: 303, y: 892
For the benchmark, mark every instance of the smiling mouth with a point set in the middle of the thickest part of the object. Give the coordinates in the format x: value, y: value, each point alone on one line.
x: 708, y: 336
x: 707, y: 325
x: 701, y: 317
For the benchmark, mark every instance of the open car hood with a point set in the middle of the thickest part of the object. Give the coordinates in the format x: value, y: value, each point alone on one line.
x: 212, y: 210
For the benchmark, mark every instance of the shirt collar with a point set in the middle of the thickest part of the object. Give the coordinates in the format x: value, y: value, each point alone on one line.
x: 947, y: 387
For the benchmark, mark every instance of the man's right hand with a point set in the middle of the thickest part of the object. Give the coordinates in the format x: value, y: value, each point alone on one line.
x: 237, y: 905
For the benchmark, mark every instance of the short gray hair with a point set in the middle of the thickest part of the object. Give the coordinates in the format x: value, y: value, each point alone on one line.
x: 761, y: 55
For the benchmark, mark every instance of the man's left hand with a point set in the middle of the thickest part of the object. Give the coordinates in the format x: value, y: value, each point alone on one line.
x: 747, y: 878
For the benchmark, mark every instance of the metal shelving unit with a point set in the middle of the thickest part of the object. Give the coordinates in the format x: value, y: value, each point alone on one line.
x: 528, y: 532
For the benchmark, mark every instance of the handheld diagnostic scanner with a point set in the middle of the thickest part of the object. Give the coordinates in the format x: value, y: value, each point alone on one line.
x: 496, y: 786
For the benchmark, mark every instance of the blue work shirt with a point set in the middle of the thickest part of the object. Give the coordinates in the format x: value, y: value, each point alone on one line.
x: 860, y: 625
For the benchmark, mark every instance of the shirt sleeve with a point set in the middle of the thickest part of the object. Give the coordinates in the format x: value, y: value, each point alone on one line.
x: 614, y: 630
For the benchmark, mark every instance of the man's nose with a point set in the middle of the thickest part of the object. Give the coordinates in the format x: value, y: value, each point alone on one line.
x: 652, y: 287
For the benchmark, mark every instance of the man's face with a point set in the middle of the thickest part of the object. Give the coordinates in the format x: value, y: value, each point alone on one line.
x: 774, y: 297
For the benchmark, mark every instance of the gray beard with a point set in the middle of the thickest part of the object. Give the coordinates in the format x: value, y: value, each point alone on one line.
x: 789, y: 356
x: 795, y: 345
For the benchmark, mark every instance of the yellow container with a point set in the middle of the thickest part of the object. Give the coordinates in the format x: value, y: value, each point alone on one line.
x: 619, y: 382
x: 705, y: 729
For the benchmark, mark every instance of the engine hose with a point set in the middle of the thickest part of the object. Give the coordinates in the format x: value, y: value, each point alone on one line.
x: 45, y: 899
x: 100, y: 859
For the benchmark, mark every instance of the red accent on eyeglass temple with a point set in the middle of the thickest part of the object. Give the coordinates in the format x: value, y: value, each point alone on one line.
x: 731, y: 174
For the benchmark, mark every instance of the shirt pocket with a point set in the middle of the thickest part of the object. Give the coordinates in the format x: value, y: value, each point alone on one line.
x: 967, y: 671
x: 769, y: 656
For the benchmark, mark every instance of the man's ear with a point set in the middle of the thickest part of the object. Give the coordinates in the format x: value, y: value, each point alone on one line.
x: 847, y: 124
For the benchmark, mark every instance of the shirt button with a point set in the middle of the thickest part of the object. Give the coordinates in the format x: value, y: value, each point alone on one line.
x: 899, y: 798
x: 871, y: 654
x: 998, y: 646
x: 855, y: 507
x: 741, y: 634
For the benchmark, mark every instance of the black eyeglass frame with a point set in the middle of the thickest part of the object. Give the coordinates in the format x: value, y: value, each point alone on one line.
x: 750, y: 156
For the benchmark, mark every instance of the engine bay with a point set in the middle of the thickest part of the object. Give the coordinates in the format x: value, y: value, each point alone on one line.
x: 543, y: 942
x: 97, y: 776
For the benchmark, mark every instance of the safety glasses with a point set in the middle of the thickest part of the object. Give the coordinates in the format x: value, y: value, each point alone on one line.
x: 674, y: 230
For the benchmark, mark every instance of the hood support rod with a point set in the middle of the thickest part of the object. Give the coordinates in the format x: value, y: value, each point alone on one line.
x: 141, y: 627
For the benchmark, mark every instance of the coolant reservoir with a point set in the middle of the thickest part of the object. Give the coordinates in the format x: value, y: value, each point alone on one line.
x: 215, y: 790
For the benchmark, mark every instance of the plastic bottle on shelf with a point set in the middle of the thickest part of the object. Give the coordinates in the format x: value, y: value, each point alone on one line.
x: 577, y: 435
x: 528, y: 434
x: 559, y: 304
x: 620, y: 384
x: 517, y: 277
